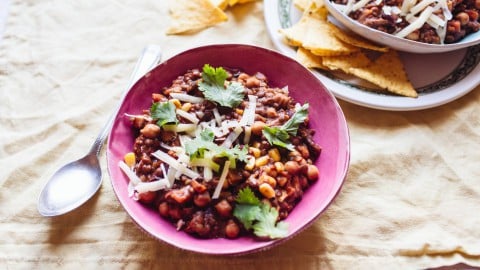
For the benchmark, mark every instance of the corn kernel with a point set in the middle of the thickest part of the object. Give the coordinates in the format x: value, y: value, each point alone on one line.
x: 250, y: 164
x: 129, y: 159
x: 186, y: 106
x: 266, y: 190
x: 265, y: 178
x: 274, y: 154
x: 239, y: 111
x: 254, y: 151
x: 279, y: 166
x: 261, y: 161
x: 256, y: 144
x: 176, y: 102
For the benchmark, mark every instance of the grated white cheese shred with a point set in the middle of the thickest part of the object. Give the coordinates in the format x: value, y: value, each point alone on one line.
x: 207, y: 174
x: 247, y: 135
x: 165, y: 175
x: 232, y: 137
x: 134, y: 179
x: 151, y: 186
x: 219, y: 186
x: 359, y: 4
x: 186, y: 98
x: 248, y: 116
x: 420, y: 6
x: 146, y: 117
x: 416, y: 24
x: 171, y: 175
x: 173, y: 163
x: 189, y: 116
x: 217, y: 116
x: 180, y: 127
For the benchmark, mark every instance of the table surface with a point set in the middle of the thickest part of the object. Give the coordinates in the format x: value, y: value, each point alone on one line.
x: 410, y: 200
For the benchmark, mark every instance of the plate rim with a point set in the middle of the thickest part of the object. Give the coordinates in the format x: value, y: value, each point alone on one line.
x: 362, y: 97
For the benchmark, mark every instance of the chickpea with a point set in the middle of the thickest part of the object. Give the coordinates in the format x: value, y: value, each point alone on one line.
x: 138, y: 122
x: 202, y: 199
x: 303, y: 149
x: 463, y: 18
x: 243, y: 76
x: 257, y: 127
x: 150, y: 131
x: 175, y: 213
x: 163, y: 209
x: 252, y: 82
x: 232, y: 230
x: 312, y: 173
x: 292, y: 167
x: 147, y: 197
x: 271, y: 112
x: 224, y: 208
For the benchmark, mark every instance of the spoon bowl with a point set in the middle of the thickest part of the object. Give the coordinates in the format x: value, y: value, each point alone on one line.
x: 76, y: 182
x: 71, y: 186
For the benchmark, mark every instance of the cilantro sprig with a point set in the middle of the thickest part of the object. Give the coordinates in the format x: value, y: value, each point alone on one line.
x: 258, y: 216
x: 215, y: 88
x: 280, y: 135
x: 163, y: 113
x: 197, y: 148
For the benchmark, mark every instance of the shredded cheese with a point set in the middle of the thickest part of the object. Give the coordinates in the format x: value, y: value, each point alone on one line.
x: 180, y: 127
x: 151, y: 186
x: 134, y: 179
x: 223, y: 176
x: 416, y: 24
x: 187, y: 98
x: 173, y: 163
x: 189, y: 116
x: 217, y: 116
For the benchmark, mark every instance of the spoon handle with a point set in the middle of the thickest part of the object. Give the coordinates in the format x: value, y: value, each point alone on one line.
x: 149, y: 57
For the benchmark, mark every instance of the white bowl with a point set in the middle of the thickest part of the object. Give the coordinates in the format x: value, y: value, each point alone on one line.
x: 397, y: 43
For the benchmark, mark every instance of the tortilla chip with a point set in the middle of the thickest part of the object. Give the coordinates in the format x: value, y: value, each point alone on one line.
x: 355, y: 40
x: 304, y: 5
x: 387, y: 72
x: 309, y: 60
x: 314, y: 34
x: 234, y: 2
x: 346, y: 62
x: 221, y: 4
x: 193, y: 15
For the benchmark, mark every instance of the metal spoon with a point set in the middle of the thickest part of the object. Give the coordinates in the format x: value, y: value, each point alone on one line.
x: 76, y: 182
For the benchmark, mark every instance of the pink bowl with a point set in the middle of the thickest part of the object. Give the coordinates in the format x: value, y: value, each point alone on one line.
x: 326, y: 117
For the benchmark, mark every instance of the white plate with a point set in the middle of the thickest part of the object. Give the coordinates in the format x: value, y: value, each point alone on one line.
x: 439, y: 78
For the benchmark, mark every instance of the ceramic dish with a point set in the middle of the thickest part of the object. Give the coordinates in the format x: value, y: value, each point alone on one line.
x: 439, y: 78
x: 400, y: 44
x: 326, y: 118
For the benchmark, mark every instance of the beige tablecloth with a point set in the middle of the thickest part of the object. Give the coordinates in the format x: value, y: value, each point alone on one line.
x: 411, y: 199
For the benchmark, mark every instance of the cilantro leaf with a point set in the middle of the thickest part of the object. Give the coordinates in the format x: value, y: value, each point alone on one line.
x: 197, y: 147
x: 259, y: 216
x: 279, y: 135
x: 215, y: 88
x: 246, y: 214
x: 291, y: 126
x: 204, y: 142
x: 267, y: 226
x: 164, y: 113
x: 246, y: 196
